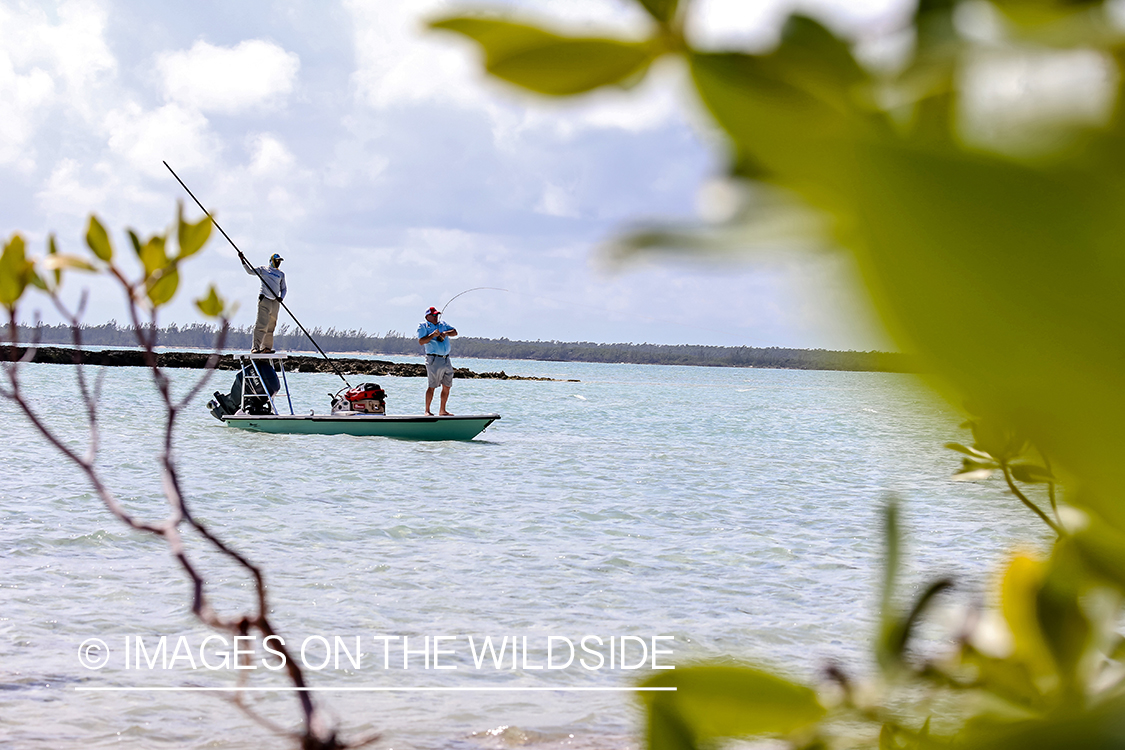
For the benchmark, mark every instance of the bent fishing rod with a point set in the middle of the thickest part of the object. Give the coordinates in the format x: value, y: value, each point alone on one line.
x: 474, y: 289
x: 259, y: 275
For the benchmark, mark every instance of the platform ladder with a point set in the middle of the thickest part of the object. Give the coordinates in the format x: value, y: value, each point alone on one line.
x: 253, y: 384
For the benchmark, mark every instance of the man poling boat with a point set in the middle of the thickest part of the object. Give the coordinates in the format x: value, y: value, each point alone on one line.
x: 261, y: 383
x: 262, y: 277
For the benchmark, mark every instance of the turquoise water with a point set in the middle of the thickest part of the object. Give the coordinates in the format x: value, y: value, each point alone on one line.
x: 737, y: 511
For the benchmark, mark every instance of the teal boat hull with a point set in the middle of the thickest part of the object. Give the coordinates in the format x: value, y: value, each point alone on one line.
x: 364, y: 425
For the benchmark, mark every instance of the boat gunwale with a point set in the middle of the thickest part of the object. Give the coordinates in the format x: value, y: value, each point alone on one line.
x: 359, y: 417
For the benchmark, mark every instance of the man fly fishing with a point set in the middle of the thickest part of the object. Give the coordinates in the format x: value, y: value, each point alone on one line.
x: 434, y: 337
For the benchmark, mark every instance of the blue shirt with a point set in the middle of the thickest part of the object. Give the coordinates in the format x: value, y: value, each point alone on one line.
x: 434, y: 346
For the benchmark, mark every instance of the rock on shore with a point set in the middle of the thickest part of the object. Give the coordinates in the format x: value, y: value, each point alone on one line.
x: 198, y: 360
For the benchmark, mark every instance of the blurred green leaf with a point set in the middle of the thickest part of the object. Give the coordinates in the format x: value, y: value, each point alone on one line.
x: 56, y: 262
x: 924, y: 732
x: 897, y: 630
x: 723, y: 701
x: 887, y: 738
x: 1031, y: 474
x: 890, y: 565
x: 1003, y: 273
x: 783, y: 132
x: 15, y: 271
x: 1018, y: 602
x: 152, y: 254
x: 1039, y: 12
x: 162, y: 285
x: 1103, y: 550
x: 997, y: 440
x: 1064, y: 624
x: 36, y: 280
x: 211, y: 305
x: 547, y: 63
x: 191, y: 237
x: 665, y: 730
x: 53, y: 249
x: 1096, y: 729
x: 98, y: 240
x: 933, y: 279
x: 926, y: 7
x: 813, y: 58
x: 662, y: 10
x: 792, y: 114
x: 1006, y: 679
x: 972, y: 452
x: 972, y: 470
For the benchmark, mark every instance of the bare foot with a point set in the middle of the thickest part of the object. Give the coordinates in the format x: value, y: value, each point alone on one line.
x: 429, y: 414
x: 445, y: 414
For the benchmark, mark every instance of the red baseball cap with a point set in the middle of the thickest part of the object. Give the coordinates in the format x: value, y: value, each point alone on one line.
x: 433, y: 311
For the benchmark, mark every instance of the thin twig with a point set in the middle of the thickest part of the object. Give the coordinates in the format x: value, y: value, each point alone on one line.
x: 315, y: 736
x: 1023, y: 499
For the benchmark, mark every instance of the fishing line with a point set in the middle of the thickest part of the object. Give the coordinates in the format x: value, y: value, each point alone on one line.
x: 259, y: 275
x: 568, y: 303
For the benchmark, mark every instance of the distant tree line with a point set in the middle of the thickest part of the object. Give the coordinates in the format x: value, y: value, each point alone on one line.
x: 288, y: 338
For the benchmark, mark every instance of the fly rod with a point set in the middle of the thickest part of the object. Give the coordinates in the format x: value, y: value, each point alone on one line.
x: 259, y: 275
x: 474, y: 289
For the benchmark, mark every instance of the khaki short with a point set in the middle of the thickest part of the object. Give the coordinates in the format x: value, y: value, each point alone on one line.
x: 438, y: 371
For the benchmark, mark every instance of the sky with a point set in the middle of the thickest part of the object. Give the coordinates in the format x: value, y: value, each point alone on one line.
x: 392, y: 175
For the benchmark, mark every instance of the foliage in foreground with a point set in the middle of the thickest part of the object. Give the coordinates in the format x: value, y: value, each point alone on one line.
x: 146, y: 292
x: 989, y: 233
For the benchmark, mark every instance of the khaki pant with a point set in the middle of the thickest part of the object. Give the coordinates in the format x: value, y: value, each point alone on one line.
x: 264, y: 325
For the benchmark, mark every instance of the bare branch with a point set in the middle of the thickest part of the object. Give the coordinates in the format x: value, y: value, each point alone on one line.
x: 1023, y: 499
x: 315, y: 735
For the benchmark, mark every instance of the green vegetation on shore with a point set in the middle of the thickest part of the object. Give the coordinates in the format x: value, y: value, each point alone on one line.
x: 287, y: 338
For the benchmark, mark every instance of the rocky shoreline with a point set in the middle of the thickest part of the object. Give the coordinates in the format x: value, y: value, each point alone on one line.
x: 57, y: 355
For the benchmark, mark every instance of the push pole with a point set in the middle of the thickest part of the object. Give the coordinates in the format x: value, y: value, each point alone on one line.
x: 259, y: 275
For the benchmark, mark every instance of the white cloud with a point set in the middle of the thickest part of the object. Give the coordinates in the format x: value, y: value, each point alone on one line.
x: 397, y: 64
x: 402, y: 178
x: 557, y: 201
x: 229, y: 80
x: 172, y: 132
x: 269, y: 156
x: 77, y: 47
x: 23, y: 97
x: 401, y: 63
x: 73, y: 50
x: 45, y: 64
x: 65, y: 188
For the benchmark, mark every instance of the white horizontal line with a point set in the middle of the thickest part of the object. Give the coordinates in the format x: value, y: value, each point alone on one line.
x: 291, y: 689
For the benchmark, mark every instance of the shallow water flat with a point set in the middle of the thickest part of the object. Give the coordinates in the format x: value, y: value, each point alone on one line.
x: 736, y: 511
